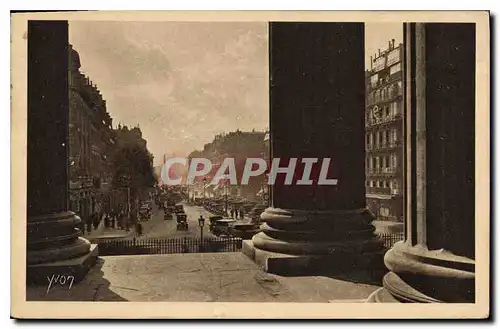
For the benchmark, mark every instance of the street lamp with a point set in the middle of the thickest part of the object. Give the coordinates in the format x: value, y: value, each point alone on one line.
x: 204, y: 185
x: 225, y: 199
x: 201, y: 223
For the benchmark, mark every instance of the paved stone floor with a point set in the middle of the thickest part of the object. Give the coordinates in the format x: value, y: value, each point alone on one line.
x: 209, y: 277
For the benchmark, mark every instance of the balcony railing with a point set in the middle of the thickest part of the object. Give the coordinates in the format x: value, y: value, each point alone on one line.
x: 389, y: 98
x: 378, y: 190
x: 382, y: 171
x: 383, y: 146
x: 383, y: 190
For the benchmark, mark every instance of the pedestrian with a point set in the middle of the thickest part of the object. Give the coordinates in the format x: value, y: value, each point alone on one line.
x: 82, y: 226
x: 232, y: 213
x: 95, y: 220
x: 120, y: 220
x: 113, y: 219
x: 241, y: 213
x: 138, y: 229
x: 236, y: 213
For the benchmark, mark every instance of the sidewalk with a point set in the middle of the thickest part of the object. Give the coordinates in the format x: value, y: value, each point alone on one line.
x: 108, y: 233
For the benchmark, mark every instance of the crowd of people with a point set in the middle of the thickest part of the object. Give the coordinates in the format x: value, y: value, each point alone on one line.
x: 112, y: 219
x: 237, y: 213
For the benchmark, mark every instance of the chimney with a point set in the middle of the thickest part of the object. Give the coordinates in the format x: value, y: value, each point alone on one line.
x: 393, y: 40
x: 379, y: 51
x: 390, y: 45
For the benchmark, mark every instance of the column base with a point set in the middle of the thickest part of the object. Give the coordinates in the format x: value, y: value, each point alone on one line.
x: 55, y: 247
x: 299, y: 242
x: 54, y: 237
x: 288, y: 264
x: 381, y: 296
x: 419, y: 275
x: 78, y: 268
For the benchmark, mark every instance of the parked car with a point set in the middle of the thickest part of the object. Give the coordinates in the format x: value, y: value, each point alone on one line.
x: 222, y: 227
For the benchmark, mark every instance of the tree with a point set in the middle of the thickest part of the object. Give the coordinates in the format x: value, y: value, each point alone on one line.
x: 133, y: 167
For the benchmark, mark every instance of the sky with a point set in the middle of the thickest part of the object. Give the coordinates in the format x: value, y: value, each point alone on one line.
x: 377, y: 36
x: 182, y: 82
x: 185, y: 82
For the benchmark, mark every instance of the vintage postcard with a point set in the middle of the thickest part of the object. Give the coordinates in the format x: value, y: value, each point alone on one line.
x: 320, y: 165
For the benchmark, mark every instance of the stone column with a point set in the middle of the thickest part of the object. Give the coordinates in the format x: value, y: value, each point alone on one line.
x: 54, y: 245
x: 317, y: 99
x: 435, y: 262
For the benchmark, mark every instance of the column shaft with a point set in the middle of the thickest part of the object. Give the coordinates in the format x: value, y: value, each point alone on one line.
x: 51, y: 228
x: 436, y: 261
x: 317, y: 95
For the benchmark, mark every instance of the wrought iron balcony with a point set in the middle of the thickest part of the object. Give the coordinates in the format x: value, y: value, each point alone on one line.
x: 388, y: 171
x: 383, y: 146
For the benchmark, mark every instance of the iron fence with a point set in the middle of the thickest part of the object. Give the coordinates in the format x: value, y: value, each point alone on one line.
x: 391, y: 238
x: 114, y: 247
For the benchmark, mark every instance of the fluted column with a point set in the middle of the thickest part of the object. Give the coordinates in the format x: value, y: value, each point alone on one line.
x: 435, y: 262
x: 317, y: 99
x: 52, y: 235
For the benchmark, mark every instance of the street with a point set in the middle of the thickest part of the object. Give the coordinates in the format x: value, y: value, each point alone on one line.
x: 157, y: 227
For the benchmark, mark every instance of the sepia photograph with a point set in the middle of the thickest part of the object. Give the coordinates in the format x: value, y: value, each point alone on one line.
x: 250, y: 165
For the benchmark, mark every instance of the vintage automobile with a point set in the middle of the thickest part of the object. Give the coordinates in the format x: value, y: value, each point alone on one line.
x: 178, y: 209
x: 168, y: 213
x: 182, y: 224
x: 212, y: 220
x: 222, y: 226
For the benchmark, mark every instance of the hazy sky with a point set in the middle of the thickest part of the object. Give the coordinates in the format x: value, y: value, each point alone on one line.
x: 377, y: 35
x: 183, y: 82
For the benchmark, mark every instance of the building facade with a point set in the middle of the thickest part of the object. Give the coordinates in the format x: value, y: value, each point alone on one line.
x: 91, y: 143
x: 383, y: 134
x: 238, y: 145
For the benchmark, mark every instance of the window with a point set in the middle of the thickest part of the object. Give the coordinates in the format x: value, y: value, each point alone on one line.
x: 394, y: 163
x: 395, y: 106
x: 383, y: 211
x: 378, y: 183
x: 384, y: 184
x: 397, y: 88
x: 394, y: 135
